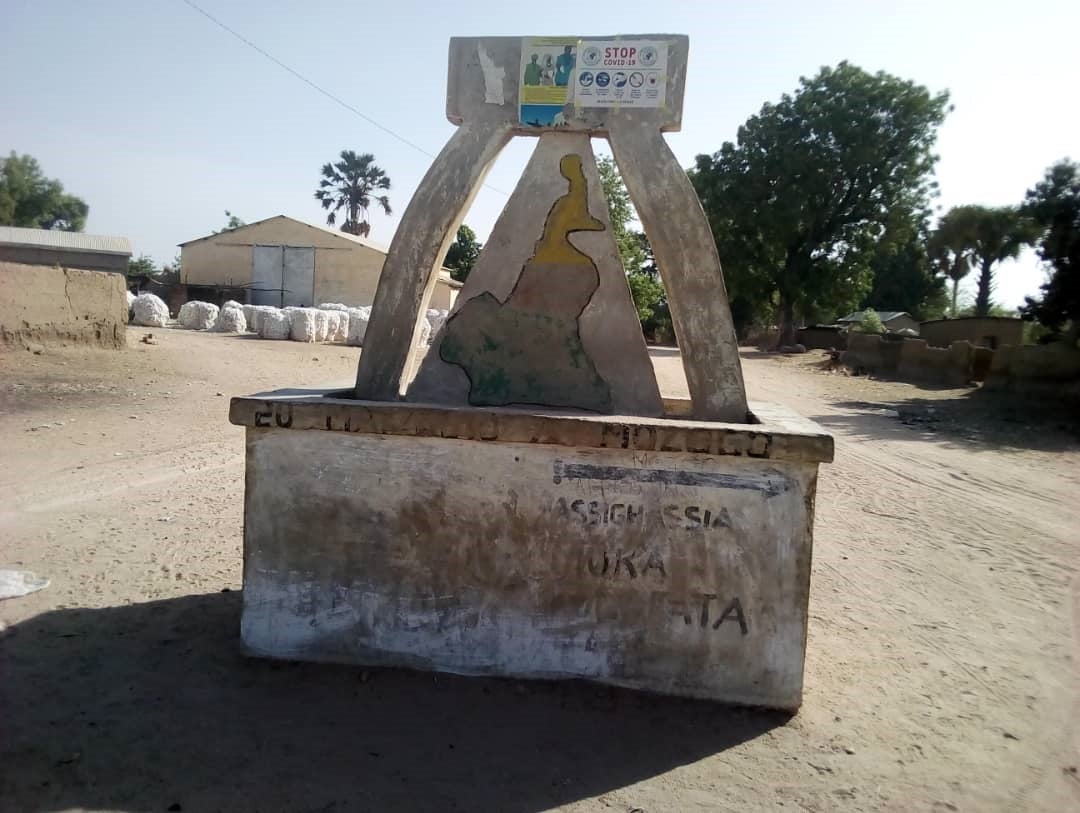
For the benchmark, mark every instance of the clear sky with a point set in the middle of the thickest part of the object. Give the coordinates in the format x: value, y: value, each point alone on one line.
x: 161, y: 120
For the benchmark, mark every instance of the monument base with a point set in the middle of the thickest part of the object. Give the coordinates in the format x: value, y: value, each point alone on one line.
x: 662, y: 554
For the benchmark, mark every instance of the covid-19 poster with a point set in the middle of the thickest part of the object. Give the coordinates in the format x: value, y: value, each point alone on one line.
x: 557, y: 71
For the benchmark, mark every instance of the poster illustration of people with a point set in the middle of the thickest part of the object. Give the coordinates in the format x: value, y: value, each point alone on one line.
x: 546, y: 80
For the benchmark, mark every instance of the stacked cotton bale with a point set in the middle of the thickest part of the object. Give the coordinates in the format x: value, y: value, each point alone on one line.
x: 230, y: 319
x: 274, y: 324
x: 258, y: 313
x: 322, y: 324
x: 150, y: 311
x: 332, y: 306
x: 425, y: 332
x: 250, y: 317
x: 197, y: 315
x: 338, y: 330
x: 358, y: 322
x: 130, y: 301
x: 303, y: 325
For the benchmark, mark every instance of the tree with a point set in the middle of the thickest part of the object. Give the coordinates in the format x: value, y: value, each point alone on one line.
x: 30, y: 200
x: 621, y: 213
x: 997, y: 234
x: 351, y: 184
x: 904, y: 278
x: 144, y: 265
x: 463, y: 253
x: 798, y: 203
x: 634, y: 250
x: 871, y: 323
x: 231, y: 222
x: 1054, y: 208
x: 951, y: 248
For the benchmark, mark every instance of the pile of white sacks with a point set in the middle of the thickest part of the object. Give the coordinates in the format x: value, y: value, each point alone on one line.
x: 329, y: 322
x: 150, y: 311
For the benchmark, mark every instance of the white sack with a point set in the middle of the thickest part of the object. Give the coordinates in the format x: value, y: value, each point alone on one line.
x: 274, y: 324
x: 303, y: 325
x: 358, y: 322
x: 150, y: 310
x: 322, y: 325
x: 230, y: 319
x: 197, y: 315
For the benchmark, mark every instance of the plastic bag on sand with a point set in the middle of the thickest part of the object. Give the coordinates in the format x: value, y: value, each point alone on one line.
x: 150, y: 311
x: 197, y: 315
x: 274, y: 324
x: 332, y: 306
x: 230, y: 320
x: 322, y: 324
x: 303, y: 325
x: 358, y: 321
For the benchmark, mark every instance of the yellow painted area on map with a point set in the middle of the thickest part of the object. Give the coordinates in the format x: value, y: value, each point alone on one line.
x: 569, y: 214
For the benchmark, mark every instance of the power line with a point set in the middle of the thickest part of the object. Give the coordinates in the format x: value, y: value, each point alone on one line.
x: 315, y: 86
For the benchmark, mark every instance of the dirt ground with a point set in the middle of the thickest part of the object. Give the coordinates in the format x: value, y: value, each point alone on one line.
x: 941, y: 670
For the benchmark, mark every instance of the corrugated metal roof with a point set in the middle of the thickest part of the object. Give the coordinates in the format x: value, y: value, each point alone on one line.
x: 350, y: 237
x: 64, y: 240
x: 884, y: 316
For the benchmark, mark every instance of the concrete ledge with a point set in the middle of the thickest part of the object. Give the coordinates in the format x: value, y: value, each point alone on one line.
x: 774, y: 433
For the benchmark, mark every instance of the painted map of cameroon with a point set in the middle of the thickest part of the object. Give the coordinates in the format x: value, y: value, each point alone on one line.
x: 527, y: 350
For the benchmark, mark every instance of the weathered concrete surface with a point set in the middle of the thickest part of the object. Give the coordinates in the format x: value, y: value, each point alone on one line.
x: 482, y: 98
x: 685, y: 252
x: 546, y: 316
x: 684, y: 572
x: 43, y: 305
x: 412, y: 264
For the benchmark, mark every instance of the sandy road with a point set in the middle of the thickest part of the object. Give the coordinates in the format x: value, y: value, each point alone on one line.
x: 941, y: 672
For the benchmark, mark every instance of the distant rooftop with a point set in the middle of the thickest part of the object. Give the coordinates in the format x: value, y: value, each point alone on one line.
x: 64, y: 240
x: 884, y: 316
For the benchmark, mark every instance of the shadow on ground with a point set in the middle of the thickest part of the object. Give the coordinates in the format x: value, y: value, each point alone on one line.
x: 153, y: 707
x: 975, y: 419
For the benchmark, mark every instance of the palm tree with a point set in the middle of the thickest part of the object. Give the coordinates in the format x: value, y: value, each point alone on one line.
x: 350, y: 184
x: 951, y: 247
x: 999, y: 234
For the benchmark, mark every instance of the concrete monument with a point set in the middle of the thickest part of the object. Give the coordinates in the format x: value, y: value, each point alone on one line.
x: 520, y: 500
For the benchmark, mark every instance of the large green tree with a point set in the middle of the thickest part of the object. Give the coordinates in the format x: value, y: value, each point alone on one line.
x: 645, y: 286
x: 353, y: 184
x: 463, y: 253
x: 798, y: 202
x: 904, y: 277
x: 1054, y: 207
x: 30, y: 200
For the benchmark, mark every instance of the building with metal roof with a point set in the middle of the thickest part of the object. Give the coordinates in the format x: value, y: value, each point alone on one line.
x: 284, y: 261
x: 68, y: 249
